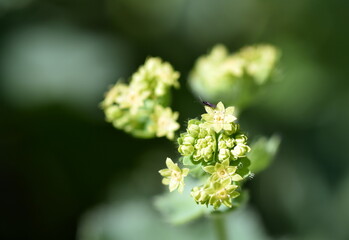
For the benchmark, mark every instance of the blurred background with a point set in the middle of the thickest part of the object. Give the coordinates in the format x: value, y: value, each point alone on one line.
x: 67, y: 174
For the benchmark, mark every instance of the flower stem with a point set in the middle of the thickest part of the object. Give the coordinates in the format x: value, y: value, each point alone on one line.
x: 220, y: 227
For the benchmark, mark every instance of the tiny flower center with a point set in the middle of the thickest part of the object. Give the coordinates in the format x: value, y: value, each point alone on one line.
x: 162, y: 122
x: 132, y: 97
x: 222, y: 194
x: 222, y: 173
x: 218, y: 116
x: 176, y: 175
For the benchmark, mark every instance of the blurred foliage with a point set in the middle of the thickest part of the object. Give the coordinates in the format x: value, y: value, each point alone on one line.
x: 262, y: 152
x: 59, y: 158
x: 234, y: 78
x: 135, y: 218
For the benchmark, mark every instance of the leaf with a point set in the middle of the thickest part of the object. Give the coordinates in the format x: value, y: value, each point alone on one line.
x: 187, y: 161
x: 180, y: 208
x: 243, y: 165
x: 262, y: 152
x: 134, y: 218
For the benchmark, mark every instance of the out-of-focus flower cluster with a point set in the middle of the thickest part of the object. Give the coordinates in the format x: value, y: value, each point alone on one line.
x: 233, y: 78
x: 214, y: 150
x: 141, y: 107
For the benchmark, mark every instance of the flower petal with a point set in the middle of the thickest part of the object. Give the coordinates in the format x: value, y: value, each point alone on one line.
x: 173, y: 185
x: 229, y: 118
x: 180, y: 187
x: 209, y: 169
x: 225, y: 164
x: 165, y: 181
x: 227, y: 202
x: 208, y: 109
x: 171, y: 165
x: 165, y: 172
x: 236, y: 178
x: 232, y: 169
x: 220, y: 106
x: 230, y: 110
x: 185, y: 172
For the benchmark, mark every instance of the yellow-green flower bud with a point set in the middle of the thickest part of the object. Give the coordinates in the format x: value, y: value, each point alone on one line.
x: 186, y: 150
x: 199, y: 195
x: 241, y: 138
x: 230, y: 142
x: 222, y: 144
x: 112, y: 112
x: 234, y: 128
x: 122, y: 122
x: 203, y: 131
x: 193, y: 127
x: 188, y: 140
x: 225, y: 141
x: 207, y: 153
x: 240, y: 150
x: 224, y: 154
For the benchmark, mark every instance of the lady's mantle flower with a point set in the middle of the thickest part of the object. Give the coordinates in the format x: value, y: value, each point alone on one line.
x: 199, y: 194
x: 260, y: 61
x: 222, y: 171
x: 209, y: 146
x: 222, y: 193
x: 219, y: 118
x: 134, y: 99
x: 114, y: 94
x: 173, y: 176
x: 140, y: 107
x: 240, y: 150
x: 165, y: 120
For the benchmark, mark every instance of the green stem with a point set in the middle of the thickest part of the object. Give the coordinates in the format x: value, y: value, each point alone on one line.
x: 215, y: 154
x: 220, y: 227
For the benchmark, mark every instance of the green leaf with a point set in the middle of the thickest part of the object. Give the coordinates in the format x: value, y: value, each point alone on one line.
x: 262, y: 152
x: 187, y: 161
x: 180, y: 208
x: 243, y: 165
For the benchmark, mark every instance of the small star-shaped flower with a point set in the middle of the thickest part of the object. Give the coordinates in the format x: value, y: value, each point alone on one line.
x: 219, y: 118
x: 166, y: 122
x: 173, y: 175
x: 222, y: 171
x: 222, y: 193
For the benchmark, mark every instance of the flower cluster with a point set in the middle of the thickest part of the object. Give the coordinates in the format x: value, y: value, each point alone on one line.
x: 140, y: 107
x: 233, y: 78
x: 215, y: 144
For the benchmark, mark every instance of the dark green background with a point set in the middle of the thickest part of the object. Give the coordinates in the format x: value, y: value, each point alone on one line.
x: 59, y: 157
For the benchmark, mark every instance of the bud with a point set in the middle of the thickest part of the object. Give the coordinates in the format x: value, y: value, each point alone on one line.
x: 193, y: 127
x: 186, y: 150
x: 240, y: 150
x: 241, y: 138
x: 113, y: 112
x: 199, y: 195
x: 188, y: 140
x: 224, y: 154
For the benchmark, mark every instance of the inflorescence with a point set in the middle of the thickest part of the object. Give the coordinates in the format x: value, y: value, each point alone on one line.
x: 141, y: 107
x: 234, y: 78
x: 216, y: 144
